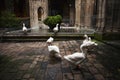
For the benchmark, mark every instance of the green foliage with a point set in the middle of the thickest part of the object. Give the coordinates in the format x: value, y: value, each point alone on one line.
x: 58, y: 18
x: 8, y: 20
x: 51, y: 21
x: 98, y: 36
x: 107, y: 36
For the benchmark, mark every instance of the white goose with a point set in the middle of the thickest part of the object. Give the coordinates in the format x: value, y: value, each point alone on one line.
x: 89, y: 38
x: 24, y: 29
x: 78, y: 57
x: 88, y: 43
x: 54, y: 51
x: 86, y: 38
x: 50, y: 40
x: 56, y: 28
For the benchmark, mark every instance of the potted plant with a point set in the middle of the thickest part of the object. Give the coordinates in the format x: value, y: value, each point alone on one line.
x: 51, y: 21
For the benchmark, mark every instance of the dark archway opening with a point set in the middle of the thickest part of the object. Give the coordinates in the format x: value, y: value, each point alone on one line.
x: 63, y: 8
x: 21, y: 8
x: 40, y: 12
x: 2, y: 5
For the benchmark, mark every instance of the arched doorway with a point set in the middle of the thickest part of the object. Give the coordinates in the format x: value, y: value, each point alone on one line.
x: 40, y: 12
x: 64, y: 8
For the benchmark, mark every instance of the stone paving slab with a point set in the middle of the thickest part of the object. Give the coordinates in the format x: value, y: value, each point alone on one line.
x: 114, y: 43
x: 30, y: 61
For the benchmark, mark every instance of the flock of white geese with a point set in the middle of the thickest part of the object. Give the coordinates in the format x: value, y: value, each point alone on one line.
x: 75, y: 58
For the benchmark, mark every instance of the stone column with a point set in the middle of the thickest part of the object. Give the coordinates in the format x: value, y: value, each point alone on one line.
x: 89, y: 12
x: 71, y: 15
x: 77, y: 11
x: 45, y: 10
x: 34, y: 6
x: 31, y: 13
x: 101, y: 15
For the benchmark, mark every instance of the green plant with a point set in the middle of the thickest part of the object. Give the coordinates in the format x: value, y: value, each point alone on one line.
x: 51, y: 21
x: 8, y: 20
x: 98, y: 36
x: 58, y: 19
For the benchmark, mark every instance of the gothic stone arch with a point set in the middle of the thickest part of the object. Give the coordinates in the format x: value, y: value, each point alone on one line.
x: 40, y: 13
x: 35, y: 5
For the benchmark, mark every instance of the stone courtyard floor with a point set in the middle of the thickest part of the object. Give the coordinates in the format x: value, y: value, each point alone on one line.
x: 30, y: 61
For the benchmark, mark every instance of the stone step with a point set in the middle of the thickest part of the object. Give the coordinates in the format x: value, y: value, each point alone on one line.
x: 5, y: 38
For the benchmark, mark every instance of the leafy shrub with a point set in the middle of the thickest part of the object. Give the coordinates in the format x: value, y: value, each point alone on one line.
x: 51, y: 21
x: 98, y: 36
x: 8, y: 20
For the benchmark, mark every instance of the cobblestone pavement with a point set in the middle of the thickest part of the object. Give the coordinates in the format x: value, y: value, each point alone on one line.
x: 30, y: 61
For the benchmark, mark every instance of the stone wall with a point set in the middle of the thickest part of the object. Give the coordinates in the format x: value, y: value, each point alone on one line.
x: 34, y: 5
